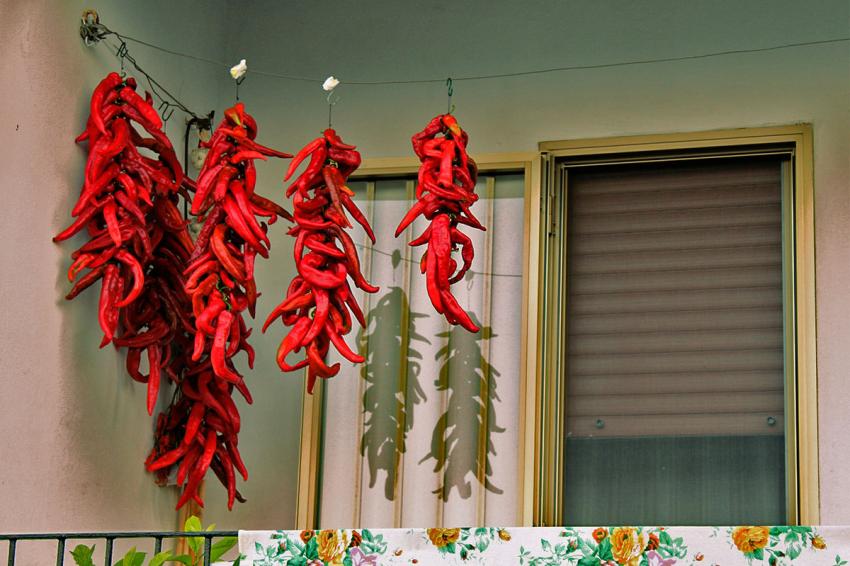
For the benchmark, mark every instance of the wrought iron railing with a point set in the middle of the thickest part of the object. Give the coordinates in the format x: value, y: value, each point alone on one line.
x: 62, y: 548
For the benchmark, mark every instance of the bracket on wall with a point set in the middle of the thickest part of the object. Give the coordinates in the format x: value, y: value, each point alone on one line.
x: 91, y: 30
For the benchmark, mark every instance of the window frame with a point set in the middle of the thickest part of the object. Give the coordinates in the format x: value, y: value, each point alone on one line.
x: 544, y: 486
x: 312, y: 415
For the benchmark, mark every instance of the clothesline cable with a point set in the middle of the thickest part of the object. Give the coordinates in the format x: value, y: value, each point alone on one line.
x: 93, y: 32
x: 375, y: 250
x: 503, y: 75
x: 168, y: 100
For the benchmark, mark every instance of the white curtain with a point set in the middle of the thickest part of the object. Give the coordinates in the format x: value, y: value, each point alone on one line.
x: 426, y: 432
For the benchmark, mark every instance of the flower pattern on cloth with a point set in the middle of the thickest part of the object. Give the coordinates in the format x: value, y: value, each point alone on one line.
x: 609, y: 545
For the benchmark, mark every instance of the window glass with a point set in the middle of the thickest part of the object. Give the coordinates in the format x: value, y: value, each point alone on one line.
x: 675, y: 378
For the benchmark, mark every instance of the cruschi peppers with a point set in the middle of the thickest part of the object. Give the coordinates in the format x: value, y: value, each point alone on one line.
x: 199, y: 430
x: 445, y: 191
x: 319, y: 302
x: 220, y: 272
x: 117, y: 197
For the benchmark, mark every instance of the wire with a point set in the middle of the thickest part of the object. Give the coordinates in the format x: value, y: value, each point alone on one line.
x: 373, y: 249
x: 99, y: 32
x: 504, y: 75
x: 156, y: 88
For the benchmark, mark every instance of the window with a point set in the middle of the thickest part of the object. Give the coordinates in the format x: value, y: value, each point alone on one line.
x: 677, y: 332
x: 427, y: 431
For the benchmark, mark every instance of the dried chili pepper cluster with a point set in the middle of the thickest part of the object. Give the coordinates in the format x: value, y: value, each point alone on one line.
x: 319, y: 298
x: 200, y: 427
x: 180, y: 303
x: 445, y: 192
x: 117, y: 196
x: 199, y: 431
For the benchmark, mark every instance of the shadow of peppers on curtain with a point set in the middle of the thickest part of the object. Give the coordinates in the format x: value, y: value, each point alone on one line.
x: 461, y: 443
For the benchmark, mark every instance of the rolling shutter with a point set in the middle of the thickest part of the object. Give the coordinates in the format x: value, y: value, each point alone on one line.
x: 675, y: 320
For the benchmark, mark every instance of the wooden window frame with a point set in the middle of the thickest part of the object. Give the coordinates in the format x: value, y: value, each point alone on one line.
x: 543, y: 489
x: 312, y: 419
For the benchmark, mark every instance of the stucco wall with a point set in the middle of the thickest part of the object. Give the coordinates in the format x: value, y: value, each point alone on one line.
x: 386, y: 39
x: 75, y: 428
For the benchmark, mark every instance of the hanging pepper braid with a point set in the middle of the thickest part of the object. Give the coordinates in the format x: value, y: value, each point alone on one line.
x: 445, y: 192
x: 127, y: 205
x: 319, y: 299
x: 116, y: 201
x: 138, y: 239
x: 199, y: 431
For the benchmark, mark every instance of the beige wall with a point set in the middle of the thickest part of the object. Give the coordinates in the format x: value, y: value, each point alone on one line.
x: 388, y: 39
x: 75, y: 429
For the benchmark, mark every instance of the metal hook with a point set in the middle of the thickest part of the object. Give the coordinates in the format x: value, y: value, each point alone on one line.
x: 450, y: 89
x: 166, y: 109
x: 239, y: 81
x: 331, y: 103
x: 122, y: 55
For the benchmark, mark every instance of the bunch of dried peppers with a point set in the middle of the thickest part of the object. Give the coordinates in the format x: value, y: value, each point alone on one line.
x: 319, y: 298
x: 127, y: 208
x: 445, y: 191
x: 180, y: 292
x: 200, y: 429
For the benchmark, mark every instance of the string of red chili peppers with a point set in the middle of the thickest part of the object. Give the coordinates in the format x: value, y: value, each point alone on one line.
x: 220, y: 282
x: 319, y: 298
x: 445, y: 192
x: 202, y: 407
x: 127, y: 210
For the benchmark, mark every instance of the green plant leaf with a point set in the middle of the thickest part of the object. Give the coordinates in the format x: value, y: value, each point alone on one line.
x: 221, y: 547
x: 196, y: 544
x: 82, y: 555
x: 132, y: 558
x: 182, y: 559
x: 193, y: 524
x: 589, y: 561
x: 159, y: 559
x: 297, y: 561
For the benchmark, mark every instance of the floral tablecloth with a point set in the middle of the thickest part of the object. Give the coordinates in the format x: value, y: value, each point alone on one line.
x: 545, y: 546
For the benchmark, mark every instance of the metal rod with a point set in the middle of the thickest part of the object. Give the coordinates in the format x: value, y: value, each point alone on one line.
x: 207, y: 550
x: 60, y: 552
x: 116, y: 535
x: 158, y: 536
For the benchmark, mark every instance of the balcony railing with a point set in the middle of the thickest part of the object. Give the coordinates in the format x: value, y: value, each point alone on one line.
x: 63, y: 556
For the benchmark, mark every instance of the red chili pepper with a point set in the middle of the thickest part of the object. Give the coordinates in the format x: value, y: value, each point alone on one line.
x: 153, y: 377
x: 111, y: 81
x: 318, y: 299
x: 445, y: 191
